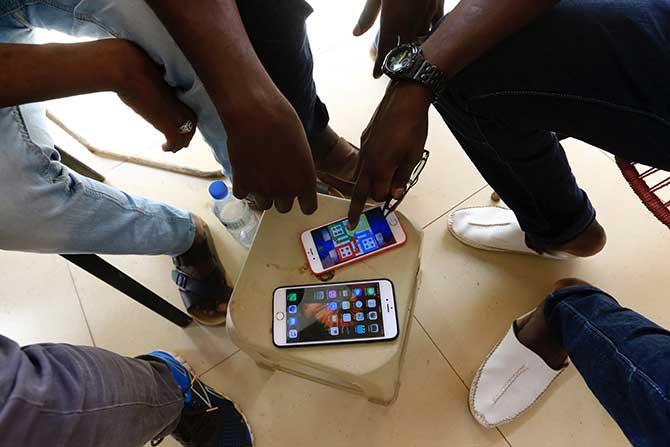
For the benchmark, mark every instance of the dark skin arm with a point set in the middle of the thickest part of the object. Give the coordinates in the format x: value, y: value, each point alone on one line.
x: 33, y: 73
x: 394, y: 140
x: 268, y: 148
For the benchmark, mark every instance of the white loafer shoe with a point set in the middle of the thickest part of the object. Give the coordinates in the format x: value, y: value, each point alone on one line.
x: 495, y: 229
x: 509, y: 382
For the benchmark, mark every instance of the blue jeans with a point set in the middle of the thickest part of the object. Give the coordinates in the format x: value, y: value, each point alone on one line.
x: 68, y: 213
x: 596, y: 70
x: 72, y: 396
x: 623, y: 357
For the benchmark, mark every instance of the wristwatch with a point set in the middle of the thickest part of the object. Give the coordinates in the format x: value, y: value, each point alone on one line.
x: 406, y: 63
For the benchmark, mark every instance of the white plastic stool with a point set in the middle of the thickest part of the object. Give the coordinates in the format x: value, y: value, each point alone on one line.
x: 276, y: 259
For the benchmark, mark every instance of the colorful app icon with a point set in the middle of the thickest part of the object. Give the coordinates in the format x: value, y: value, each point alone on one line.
x: 292, y: 309
x: 332, y: 305
x: 346, y: 251
x: 345, y: 293
x: 292, y: 321
x: 360, y: 329
x: 374, y: 328
x: 372, y: 303
x: 346, y: 305
x: 292, y: 333
x: 334, y: 331
x: 359, y: 304
x: 368, y: 244
x: 346, y: 318
x: 360, y: 316
x: 358, y: 292
x: 370, y: 291
x: 372, y: 315
x: 293, y: 296
x: 319, y: 295
x: 332, y: 294
x: 333, y: 318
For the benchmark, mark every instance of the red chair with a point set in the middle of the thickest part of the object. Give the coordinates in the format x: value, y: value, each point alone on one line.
x: 651, y: 185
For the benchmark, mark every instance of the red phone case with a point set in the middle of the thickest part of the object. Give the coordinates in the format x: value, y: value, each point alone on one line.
x: 354, y: 260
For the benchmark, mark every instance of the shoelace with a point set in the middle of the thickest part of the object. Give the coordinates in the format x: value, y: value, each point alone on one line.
x: 204, y: 397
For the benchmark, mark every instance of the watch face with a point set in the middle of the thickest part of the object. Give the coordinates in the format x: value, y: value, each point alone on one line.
x: 400, y: 59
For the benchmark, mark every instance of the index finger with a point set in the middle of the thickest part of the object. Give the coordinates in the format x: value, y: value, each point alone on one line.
x: 367, y: 17
x: 358, y: 199
x: 308, y: 201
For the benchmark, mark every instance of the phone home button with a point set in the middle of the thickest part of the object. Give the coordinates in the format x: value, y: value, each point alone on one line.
x: 393, y: 221
x: 279, y: 316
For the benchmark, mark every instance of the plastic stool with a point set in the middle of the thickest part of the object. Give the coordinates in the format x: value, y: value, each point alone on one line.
x: 277, y: 259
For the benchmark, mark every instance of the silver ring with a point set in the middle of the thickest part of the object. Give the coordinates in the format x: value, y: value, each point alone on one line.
x: 187, y: 127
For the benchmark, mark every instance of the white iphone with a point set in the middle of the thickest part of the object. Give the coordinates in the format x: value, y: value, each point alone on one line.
x: 346, y: 312
x: 333, y: 245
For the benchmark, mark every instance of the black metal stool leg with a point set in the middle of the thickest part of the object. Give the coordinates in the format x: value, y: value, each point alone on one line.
x: 106, y: 272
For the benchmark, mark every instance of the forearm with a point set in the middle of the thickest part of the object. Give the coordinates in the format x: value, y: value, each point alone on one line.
x: 213, y: 38
x: 476, y: 26
x: 33, y: 73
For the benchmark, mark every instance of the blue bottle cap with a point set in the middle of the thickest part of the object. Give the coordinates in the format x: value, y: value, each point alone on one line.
x: 218, y: 190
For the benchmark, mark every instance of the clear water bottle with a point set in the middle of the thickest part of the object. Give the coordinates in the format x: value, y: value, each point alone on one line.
x: 240, y: 220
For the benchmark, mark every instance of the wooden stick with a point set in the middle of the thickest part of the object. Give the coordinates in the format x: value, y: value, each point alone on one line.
x: 134, y: 159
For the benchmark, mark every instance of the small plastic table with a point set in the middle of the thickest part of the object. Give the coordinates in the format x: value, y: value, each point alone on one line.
x: 276, y: 259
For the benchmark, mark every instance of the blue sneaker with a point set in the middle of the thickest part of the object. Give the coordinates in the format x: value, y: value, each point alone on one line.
x: 208, y: 419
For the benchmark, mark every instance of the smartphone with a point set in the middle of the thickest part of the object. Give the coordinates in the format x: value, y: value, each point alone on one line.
x: 334, y: 245
x: 346, y: 312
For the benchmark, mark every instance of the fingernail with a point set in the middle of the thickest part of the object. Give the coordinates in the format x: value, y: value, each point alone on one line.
x: 357, y: 30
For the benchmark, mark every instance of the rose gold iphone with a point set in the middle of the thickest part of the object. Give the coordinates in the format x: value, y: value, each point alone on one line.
x: 334, y: 245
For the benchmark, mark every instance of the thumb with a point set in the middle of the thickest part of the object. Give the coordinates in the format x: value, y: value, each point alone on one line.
x: 367, y: 17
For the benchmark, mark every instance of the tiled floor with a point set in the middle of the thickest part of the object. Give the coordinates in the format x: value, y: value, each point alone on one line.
x: 467, y: 301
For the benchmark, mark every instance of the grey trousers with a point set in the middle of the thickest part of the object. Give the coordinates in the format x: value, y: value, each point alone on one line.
x: 73, y: 396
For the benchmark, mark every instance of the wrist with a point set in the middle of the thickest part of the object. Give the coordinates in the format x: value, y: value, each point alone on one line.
x: 257, y: 105
x: 417, y: 94
x: 434, y: 55
x: 127, y: 67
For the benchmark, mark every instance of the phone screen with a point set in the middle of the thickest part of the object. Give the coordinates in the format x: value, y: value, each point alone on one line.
x: 336, y: 243
x: 336, y: 312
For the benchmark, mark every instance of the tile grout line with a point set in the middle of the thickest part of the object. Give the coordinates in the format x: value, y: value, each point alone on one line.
x: 441, y: 353
x: 81, y: 305
x: 452, y: 367
x: 216, y: 365
x: 450, y: 209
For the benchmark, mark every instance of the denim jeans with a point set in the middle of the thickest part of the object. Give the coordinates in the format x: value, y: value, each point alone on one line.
x: 74, y: 396
x: 623, y: 357
x: 67, y: 213
x: 596, y: 70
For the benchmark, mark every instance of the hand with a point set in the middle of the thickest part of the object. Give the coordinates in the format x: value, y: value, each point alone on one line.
x: 407, y: 19
x: 271, y: 157
x: 391, y: 146
x: 142, y: 87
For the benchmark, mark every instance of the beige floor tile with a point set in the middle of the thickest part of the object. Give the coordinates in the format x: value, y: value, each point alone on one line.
x: 38, y: 301
x: 352, y: 96
x: 332, y: 24
x: 285, y: 410
x: 470, y: 297
x: 106, y: 123
x: 122, y: 325
x: 74, y: 148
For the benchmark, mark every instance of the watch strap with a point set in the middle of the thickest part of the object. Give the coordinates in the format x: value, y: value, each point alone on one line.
x: 430, y: 76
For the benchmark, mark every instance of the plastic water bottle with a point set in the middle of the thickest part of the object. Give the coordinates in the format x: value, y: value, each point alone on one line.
x: 240, y: 220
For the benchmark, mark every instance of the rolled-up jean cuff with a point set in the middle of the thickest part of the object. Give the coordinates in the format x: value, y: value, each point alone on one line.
x: 571, y: 295
x: 573, y: 231
x: 188, y: 240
